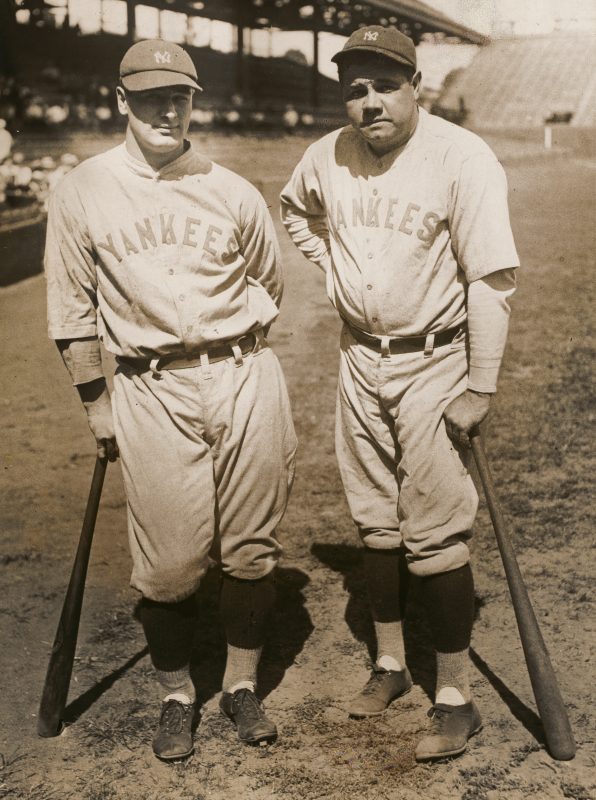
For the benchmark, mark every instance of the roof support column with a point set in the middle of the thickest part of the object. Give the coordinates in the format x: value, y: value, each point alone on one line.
x: 131, y: 21
x: 242, y: 78
x: 315, y: 76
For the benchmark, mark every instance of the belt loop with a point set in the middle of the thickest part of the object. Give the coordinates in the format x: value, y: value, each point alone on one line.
x: 205, y: 370
x: 237, y: 352
x: 385, y: 346
x: 429, y: 345
x: 154, y: 367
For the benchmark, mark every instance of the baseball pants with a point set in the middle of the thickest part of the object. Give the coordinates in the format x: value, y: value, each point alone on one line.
x: 207, y: 457
x: 405, y: 481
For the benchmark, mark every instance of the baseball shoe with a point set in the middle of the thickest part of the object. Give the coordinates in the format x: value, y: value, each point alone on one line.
x: 451, y: 728
x: 173, y: 737
x: 247, y: 713
x: 383, y: 686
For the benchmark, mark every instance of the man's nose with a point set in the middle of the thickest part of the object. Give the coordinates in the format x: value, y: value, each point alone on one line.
x: 372, y: 100
x: 168, y: 108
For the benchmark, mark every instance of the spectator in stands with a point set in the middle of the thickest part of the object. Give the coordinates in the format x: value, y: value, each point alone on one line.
x: 56, y: 113
x: 6, y: 141
x: 103, y: 115
x: 290, y: 118
x: 35, y: 110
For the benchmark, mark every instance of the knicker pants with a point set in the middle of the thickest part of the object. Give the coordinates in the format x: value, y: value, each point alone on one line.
x: 208, y: 461
x: 405, y: 481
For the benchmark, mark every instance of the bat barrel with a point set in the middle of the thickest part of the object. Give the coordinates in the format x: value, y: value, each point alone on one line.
x: 551, y: 708
x: 55, y: 690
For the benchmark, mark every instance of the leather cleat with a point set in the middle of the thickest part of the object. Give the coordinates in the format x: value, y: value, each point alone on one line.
x: 173, y: 737
x: 247, y: 713
x: 383, y: 686
x: 451, y: 728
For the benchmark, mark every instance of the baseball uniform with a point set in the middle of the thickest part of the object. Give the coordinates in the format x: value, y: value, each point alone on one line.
x: 164, y: 266
x: 401, y: 237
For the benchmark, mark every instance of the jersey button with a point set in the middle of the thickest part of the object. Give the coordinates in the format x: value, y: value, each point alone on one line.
x: 170, y: 272
x: 369, y: 286
x: 181, y: 297
x: 374, y: 319
x: 369, y: 255
x: 189, y: 328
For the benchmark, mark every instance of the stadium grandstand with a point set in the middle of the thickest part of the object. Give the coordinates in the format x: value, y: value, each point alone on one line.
x: 51, y: 54
x: 524, y: 82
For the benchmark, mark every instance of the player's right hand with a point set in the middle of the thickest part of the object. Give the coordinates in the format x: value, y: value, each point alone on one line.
x: 96, y: 400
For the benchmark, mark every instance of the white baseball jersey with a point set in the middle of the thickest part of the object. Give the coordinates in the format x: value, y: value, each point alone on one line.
x: 166, y: 263
x: 401, y: 235
x: 158, y: 263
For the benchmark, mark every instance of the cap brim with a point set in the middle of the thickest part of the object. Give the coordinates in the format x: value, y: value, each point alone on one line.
x: 367, y: 48
x: 155, y: 79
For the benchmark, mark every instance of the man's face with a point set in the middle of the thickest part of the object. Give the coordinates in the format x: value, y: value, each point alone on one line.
x: 158, y: 118
x: 380, y: 101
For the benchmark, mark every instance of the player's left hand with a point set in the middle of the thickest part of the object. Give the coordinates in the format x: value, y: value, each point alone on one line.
x: 463, y: 414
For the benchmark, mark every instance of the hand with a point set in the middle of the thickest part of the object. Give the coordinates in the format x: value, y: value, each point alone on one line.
x: 464, y: 413
x: 96, y: 399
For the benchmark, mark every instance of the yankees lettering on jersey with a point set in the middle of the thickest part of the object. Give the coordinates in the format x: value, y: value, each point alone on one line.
x: 168, y: 229
x: 394, y: 234
x: 159, y: 263
x: 389, y: 213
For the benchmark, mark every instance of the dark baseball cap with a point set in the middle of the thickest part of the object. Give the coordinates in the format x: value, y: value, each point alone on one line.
x: 387, y: 42
x: 155, y: 63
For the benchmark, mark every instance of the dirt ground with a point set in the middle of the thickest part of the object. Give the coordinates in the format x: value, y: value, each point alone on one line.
x: 541, y: 447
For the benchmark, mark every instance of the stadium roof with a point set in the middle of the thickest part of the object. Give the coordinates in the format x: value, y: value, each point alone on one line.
x: 334, y: 16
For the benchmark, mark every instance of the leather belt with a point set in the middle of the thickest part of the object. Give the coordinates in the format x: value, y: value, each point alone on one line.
x: 409, y: 344
x: 217, y: 352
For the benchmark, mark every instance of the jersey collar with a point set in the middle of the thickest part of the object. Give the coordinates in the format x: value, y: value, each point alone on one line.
x: 178, y: 166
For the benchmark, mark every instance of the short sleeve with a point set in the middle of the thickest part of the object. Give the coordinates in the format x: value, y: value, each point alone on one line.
x: 70, y: 271
x: 479, y: 222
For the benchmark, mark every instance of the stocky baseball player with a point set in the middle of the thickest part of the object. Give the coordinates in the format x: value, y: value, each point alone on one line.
x: 407, y: 216
x: 172, y: 262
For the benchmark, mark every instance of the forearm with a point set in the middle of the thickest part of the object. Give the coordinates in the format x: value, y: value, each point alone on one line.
x: 488, y: 323
x: 82, y: 358
x: 309, y: 233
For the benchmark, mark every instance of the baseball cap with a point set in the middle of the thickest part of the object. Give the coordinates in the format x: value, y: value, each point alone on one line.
x: 154, y: 63
x: 384, y: 41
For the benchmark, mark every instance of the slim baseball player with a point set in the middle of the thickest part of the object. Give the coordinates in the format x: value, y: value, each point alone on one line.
x: 407, y: 216
x: 171, y: 262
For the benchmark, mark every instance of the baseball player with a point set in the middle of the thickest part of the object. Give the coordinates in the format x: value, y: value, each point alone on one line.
x: 171, y: 262
x: 407, y: 216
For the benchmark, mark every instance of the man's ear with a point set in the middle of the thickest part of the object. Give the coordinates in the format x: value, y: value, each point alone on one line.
x: 416, y: 80
x: 121, y: 97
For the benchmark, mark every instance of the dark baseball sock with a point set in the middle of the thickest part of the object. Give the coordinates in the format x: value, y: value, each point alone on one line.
x: 245, y: 607
x: 449, y: 600
x: 169, y: 630
x: 387, y: 580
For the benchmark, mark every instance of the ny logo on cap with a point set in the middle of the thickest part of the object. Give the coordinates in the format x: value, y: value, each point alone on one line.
x: 162, y: 58
x: 371, y: 36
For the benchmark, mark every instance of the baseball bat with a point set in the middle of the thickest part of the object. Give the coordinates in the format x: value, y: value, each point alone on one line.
x: 55, y: 688
x: 557, y: 729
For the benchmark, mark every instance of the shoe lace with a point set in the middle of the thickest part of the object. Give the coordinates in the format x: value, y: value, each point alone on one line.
x: 174, y: 715
x: 439, y: 714
x: 376, y: 677
x: 247, y: 701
